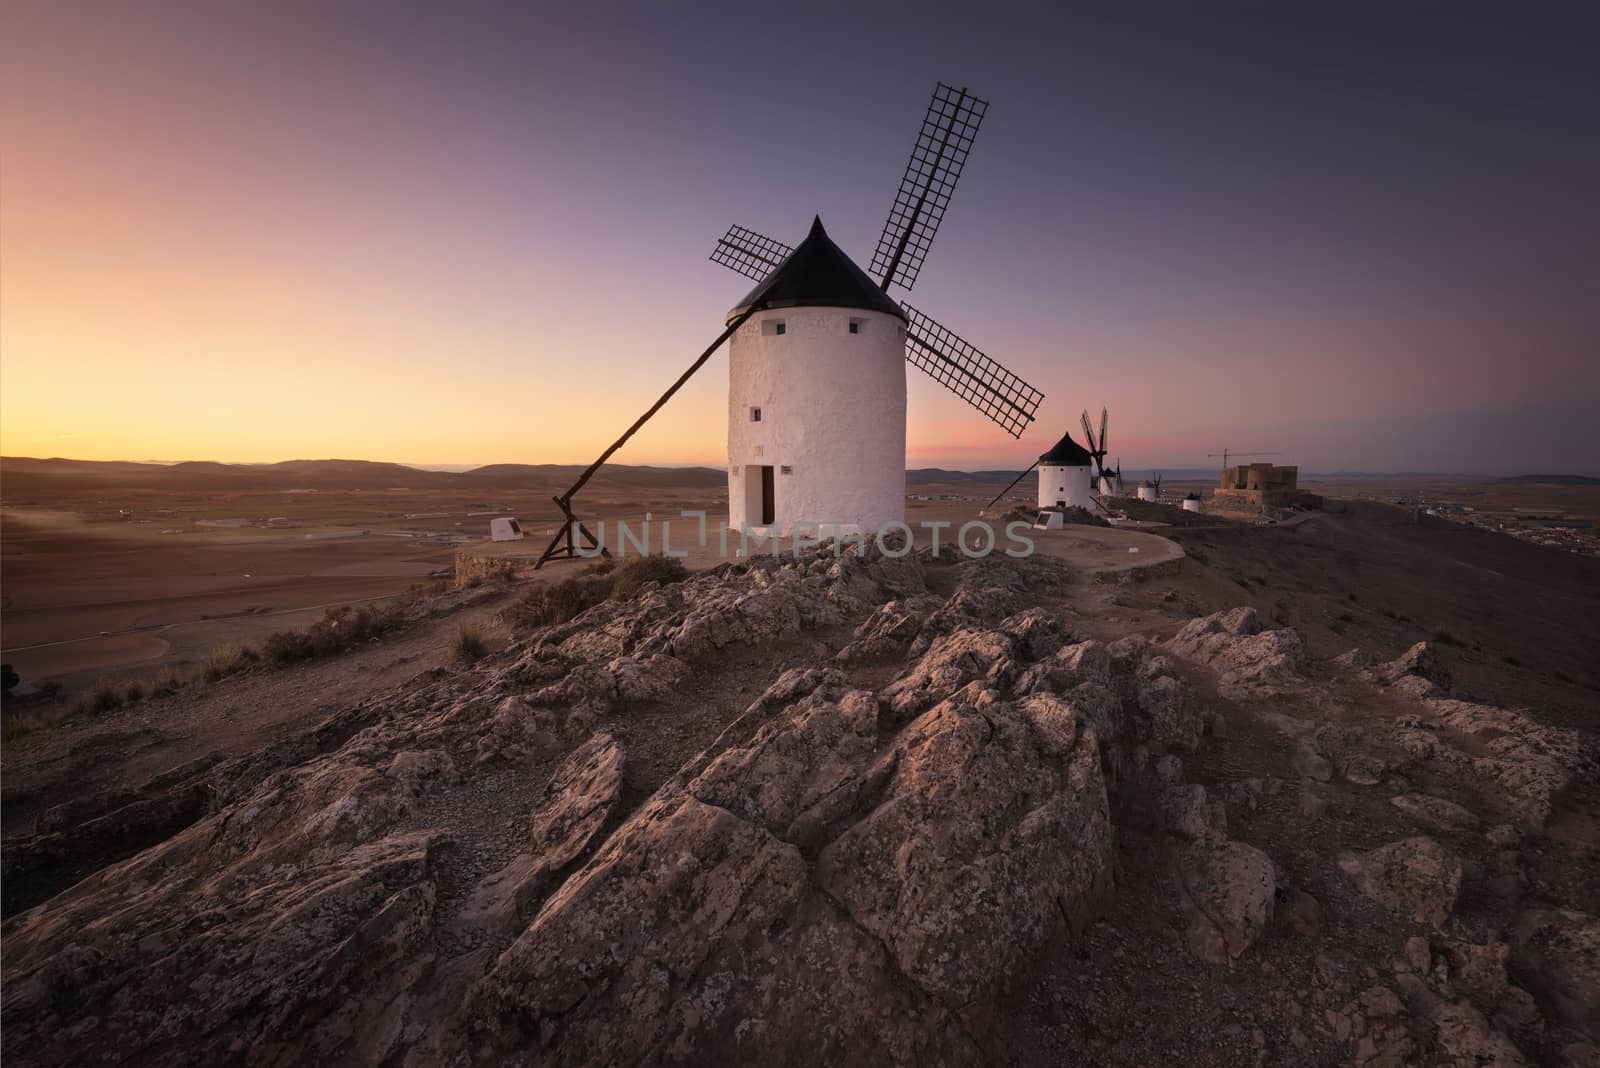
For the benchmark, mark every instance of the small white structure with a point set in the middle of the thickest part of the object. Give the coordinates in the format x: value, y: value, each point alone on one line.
x: 1191, y: 503
x: 817, y: 399
x: 1050, y: 519
x: 1149, y: 492
x: 1064, y: 480
x: 505, y: 529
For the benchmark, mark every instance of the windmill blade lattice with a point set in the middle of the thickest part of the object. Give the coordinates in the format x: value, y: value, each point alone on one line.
x: 937, y: 159
x: 965, y: 371
x: 749, y: 253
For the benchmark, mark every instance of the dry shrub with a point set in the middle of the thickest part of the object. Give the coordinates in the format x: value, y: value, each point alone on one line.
x: 165, y: 682
x: 491, y: 571
x: 630, y: 577
x: 228, y: 660
x: 576, y: 594
x: 43, y: 710
x: 468, y: 645
x: 337, y: 630
x: 559, y: 602
x: 18, y: 722
x: 102, y: 697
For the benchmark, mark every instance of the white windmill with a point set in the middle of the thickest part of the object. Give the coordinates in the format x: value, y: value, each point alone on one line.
x: 1064, y: 476
x: 816, y: 379
x: 1064, y: 481
x: 817, y: 398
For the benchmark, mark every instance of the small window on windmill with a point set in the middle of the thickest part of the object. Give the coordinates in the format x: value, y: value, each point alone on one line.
x: 755, y: 415
x: 771, y: 327
x: 786, y: 469
x: 855, y: 326
x: 734, y: 470
x: 761, y: 450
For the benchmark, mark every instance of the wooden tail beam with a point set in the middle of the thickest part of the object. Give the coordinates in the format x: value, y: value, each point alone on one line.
x: 556, y: 549
x: 1013, y: 485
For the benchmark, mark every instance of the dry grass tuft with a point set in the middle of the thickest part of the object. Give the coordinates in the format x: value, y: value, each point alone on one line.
x: 468, y: 645
x: 228, y: 660
x: 166, y: 681
x: 336, y: 631
x: 576, y: 594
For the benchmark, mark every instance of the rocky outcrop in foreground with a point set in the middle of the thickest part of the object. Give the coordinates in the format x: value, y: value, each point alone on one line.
x: 869, y: 861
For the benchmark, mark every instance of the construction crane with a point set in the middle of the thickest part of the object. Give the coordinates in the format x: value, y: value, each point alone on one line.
x: 1225, y: 453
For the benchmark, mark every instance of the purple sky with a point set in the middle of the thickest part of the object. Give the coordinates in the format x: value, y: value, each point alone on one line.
x: 1363, y: 236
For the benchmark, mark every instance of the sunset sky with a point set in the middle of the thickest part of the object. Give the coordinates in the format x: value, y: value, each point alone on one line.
x: 1365, y: 236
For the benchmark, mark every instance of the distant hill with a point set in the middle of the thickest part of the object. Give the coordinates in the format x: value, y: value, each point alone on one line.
x: 1552, y: 480
x: 57, y: 466
x: 922, y: 476
x: 28, y: 475
x: 610, y: 475
x: 24, y: 473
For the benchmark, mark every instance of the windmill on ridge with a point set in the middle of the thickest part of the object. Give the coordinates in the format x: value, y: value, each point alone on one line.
x: 816, y: 369
x: 1109, y: 478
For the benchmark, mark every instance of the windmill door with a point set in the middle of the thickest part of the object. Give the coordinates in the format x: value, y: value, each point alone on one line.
x: 769, y: 504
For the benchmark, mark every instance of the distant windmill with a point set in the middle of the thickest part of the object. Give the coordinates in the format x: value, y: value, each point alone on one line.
x: 816, y: 382
x: 1151, y: 489
x: 1063, y: 477
x: 1109, y: 478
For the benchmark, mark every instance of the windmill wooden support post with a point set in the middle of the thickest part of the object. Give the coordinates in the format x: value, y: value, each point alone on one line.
x: 564, y: 546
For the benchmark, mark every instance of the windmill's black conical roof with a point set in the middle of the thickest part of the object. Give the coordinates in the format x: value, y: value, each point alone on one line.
x: 1067, y: 453
x: 817, y: 274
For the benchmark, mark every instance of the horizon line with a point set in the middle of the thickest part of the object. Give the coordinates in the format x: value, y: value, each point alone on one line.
x: 442, y: 468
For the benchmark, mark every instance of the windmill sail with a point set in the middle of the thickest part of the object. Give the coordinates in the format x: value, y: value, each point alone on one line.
x: 965, y: 371
x: 749, y: 253
x: 937, y: 159
x: 1097, y: 449
x: 932, y: 348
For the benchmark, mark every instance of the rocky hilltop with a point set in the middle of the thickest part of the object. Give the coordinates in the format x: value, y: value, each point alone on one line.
x: 845, y: 810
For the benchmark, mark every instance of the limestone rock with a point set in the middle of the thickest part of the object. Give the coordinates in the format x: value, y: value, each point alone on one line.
x: 986, y: 837
x: 1529, y: 761
x: 276, y: 951
x: 1416, y: 671
x: 1556, y: 954
x: 801, y: 774
x: 888, y: 631
x: 1362, y: 769
x: 1169, y: 714
x: 1480, y: 971
x: 572, y: 809
x: 681, y: 883
x: 951, y: 662
x: 1415, y: 876
x: 1191, y: 812
x: 1435, y: 813
x: 1229, y: 890
x: 1465, y: 1035
x: 1250, y: 661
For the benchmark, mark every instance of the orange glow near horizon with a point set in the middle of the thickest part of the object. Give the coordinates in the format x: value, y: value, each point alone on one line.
x: 249, y: 234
